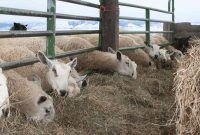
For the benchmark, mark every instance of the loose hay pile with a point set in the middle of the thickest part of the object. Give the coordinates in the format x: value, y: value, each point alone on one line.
x: 111, y: 105
x: 187, y: 87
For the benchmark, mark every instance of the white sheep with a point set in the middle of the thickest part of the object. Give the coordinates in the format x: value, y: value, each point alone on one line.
x: 29, y: 98
x: 46, y: 71
x: 32, y: 43
x: 4, y: 96
x: 176, y: 54
x: 62, y: 77
x: 98, y: 60
x: 137, y: 55
x: 152, y: 50
x: 164, y: 55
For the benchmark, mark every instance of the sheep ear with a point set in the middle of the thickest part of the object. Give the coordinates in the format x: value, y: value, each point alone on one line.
x: 81, y: 78
x: 26, y: 25
x: 111, y: 50
x: 170, y: 53
x: 119, y: 55
x: 42, y: 99
x: 43, y: 59
x: 73, y: 63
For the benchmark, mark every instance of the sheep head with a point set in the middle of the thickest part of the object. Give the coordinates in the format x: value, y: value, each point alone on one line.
x: 58, y: 74
x: 124, y: 65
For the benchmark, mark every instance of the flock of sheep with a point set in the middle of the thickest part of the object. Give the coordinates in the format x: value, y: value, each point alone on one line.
x: 25, y: 87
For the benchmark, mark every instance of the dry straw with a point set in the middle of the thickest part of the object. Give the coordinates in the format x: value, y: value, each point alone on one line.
x: 187, y: 87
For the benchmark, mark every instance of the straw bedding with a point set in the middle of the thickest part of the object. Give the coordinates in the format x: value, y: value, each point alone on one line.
x: 187, y: 88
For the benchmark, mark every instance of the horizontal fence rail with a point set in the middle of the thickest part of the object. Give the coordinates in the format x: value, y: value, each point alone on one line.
x: 143, y: 7
x: 75, y: 17
x: 29, y: 61
x: 23, y: 12
x: 80, y: 2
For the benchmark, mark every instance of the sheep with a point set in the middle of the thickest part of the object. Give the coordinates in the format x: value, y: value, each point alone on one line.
x: 137, y: 55
x: 176, y: 54
x: 62, y: 77
x: 46, y: 72
x: 32, y: 43
x: 164, y: 55
x: 98, y: 60
x: 182, y: 43
x: 29, y: 98
x: 92, y: 38
x: 4, y: 96
x: 19, y: 26
x: 152, y: 50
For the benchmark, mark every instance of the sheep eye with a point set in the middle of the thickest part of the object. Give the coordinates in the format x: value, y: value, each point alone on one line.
x: 55, y: 72
x: 127, y: 63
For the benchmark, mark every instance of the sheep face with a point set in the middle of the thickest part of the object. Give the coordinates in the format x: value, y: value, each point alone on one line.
x: 153, y: 51
x: 177, y: 55
x: 124, y: 65
x: 4, y: 97
x: 164, y: 55
x: 45, y: 109
x: 58, y: 74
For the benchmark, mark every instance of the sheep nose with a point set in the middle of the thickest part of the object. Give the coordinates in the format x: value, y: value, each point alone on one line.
x: 62, y: 93
x: 47, y: 110
x: 6, y: 112
x: 156, y: 56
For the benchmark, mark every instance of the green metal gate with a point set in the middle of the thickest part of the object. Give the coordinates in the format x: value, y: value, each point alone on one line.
x: 51, y: 16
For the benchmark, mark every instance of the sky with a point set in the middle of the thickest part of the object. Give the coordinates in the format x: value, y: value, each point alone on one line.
x: 185, y: 10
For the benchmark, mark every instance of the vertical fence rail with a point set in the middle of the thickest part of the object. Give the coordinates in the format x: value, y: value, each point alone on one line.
x: 51, y: 25
x: 148, y: 26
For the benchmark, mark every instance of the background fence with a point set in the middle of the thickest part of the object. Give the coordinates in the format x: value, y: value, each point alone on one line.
x: 108, y: 32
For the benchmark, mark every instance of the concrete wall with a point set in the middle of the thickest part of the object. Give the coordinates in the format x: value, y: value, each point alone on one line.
x: 182, y: 30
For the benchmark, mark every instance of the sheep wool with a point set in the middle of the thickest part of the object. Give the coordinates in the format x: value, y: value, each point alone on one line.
x: 29, y: 98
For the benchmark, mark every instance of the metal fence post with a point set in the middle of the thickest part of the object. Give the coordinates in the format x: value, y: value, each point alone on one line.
x: 169, y: 5
x: 148, y: 26
x: 51, y: 26
x: 109, y: 24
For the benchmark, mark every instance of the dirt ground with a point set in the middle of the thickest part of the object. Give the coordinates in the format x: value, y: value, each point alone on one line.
x: 111, y: 105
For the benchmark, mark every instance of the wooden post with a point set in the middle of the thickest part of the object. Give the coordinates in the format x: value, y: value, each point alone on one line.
x: 109, y: 24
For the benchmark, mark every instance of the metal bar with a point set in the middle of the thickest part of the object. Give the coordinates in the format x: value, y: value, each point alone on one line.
x: 23, y: 12
x: 74, y: 17
x: 131, y: 48
x: 29, y: 61
x: 166, y: 44
x: 132, y: 18
x: 51, y: 25
x: 161, y: 31
x: 143, y: 7
x: 84, y: 3
x: 76, y: 32
x: 142, y: 46
x: 133, y: 32
x: 162, y: 21
x: 169, y: 5
x: 148, y: 40
x: 7, y: 34
x: 173, y: 9
x: 75, y: 52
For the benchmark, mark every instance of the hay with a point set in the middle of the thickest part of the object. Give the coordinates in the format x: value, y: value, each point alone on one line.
x: 112, y: 104
x: 187, y: 87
